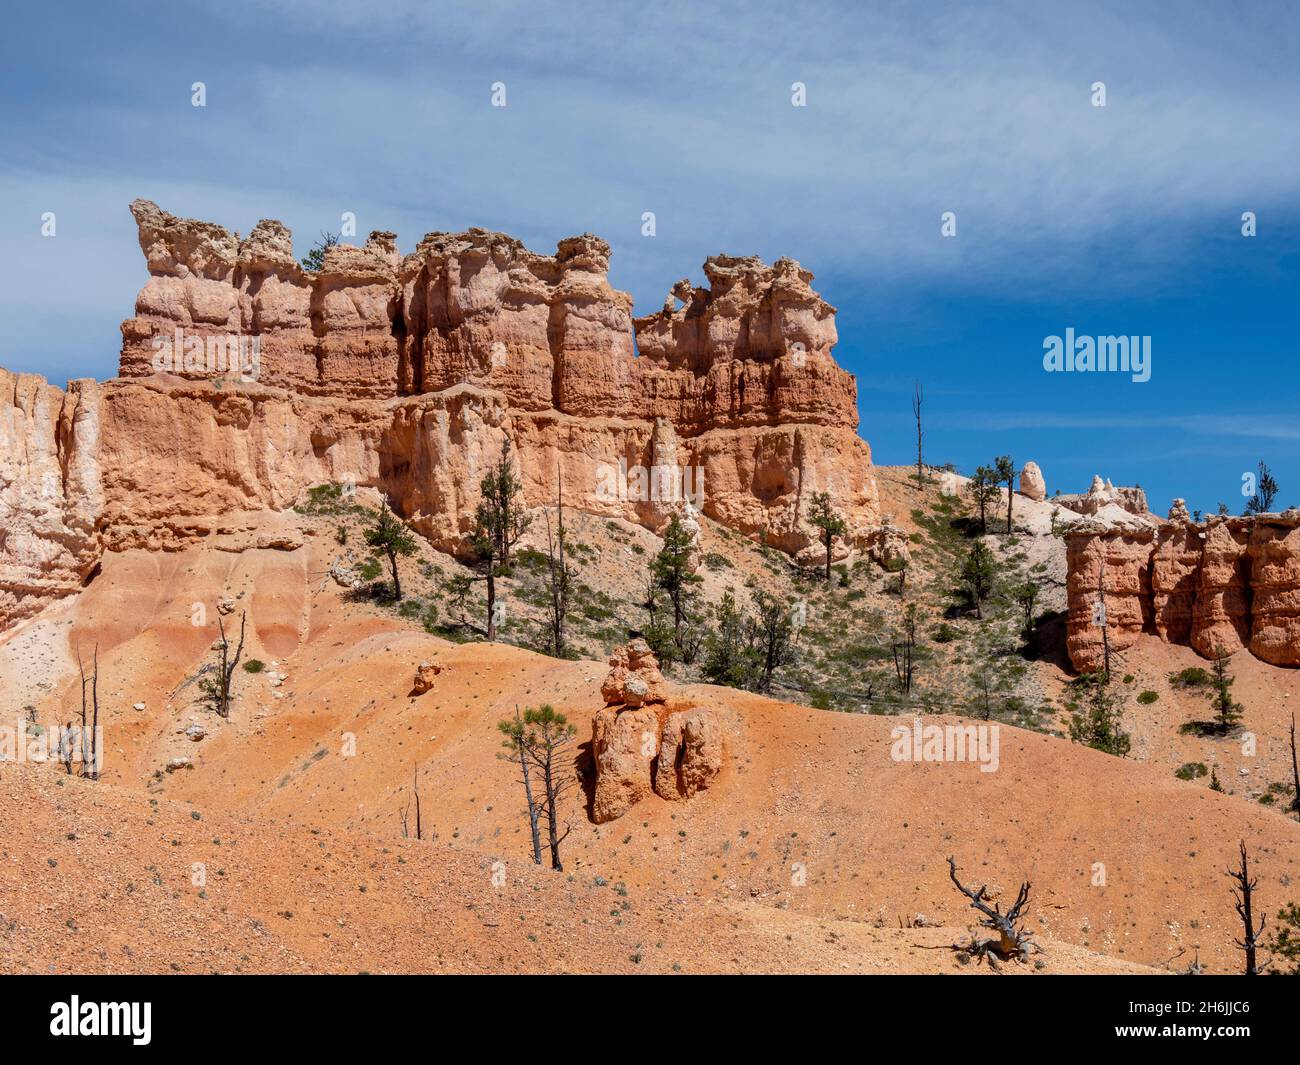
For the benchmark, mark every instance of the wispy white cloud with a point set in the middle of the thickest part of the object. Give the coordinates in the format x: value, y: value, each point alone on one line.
x: 1262, y: 426
x: 683, y: 109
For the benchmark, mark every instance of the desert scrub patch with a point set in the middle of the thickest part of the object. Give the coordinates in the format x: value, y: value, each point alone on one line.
x: 716, y: 562
x: 328, y: 499
x: 254, y: 665
x: 1146, y: 698
x: 1191, y: 677
x: 530, y: 558
x: 1191, y: 771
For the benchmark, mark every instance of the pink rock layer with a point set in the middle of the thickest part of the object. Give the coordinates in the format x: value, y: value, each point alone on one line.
x: 408, y: 374
x: 1227, y: 583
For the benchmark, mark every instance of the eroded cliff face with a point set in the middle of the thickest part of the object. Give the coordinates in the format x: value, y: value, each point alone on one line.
x: 246, y: 379
x: 1230, y: 582
x: 51, y: 495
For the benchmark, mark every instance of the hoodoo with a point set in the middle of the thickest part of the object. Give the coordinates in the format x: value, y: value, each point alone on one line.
x: 407, y: 374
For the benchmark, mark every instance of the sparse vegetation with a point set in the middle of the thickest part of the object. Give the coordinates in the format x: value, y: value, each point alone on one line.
x: 1266, y: 489
x: 983, y: 491
x: 219, y: 688
x: 388, y: 538
x: 823, y: 515
x: 315, y: 257
x: 1095, y: 716
x: 538, y: 738
x: 977, y: 575
x: 671, y: 574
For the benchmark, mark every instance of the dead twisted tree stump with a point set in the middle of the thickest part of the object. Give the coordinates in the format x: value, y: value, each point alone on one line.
x: 1012, y: 941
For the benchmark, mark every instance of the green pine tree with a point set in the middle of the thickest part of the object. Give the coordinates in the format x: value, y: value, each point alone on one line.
x: 388, y: 538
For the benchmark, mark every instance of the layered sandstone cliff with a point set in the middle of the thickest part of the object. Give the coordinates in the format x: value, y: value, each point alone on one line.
x: 246, y: 379
x: 1229, y: 583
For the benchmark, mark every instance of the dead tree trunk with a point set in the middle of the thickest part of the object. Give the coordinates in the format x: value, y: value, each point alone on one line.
x: 918, y: 397
x: 1243, y: 895
x: 558, y: 572
x: 220, y: 689
x: 905, y: 652
x: 1295, y: 770
x: 520, y: 738
x: 89, y: 733
x: 94, y: 724
x: 1012, y: 941
x: 66, y: 746
x: 419, y: 823
x: 491, y: 601
x: 1103, y: 620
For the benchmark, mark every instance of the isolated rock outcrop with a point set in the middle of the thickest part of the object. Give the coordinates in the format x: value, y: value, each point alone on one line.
x: 425, y: 673
x: 634, y: 678
x: 1102, y: 495
x: 1032, y: 485
x: 641, y: 744
x: 690, y: 753
x: 51, y: 491
x: 246, y: 379
x: 887, y: 544
x: 1228, y: 582
x: 624, y: 745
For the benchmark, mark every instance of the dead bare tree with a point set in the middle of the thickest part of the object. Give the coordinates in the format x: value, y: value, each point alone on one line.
x: 1102, y: 620
x: 1243, y: 899
x: 1295, y: 771
x: 905, y: 651
x: 66, y: 747
x: 559, y: 574
x: 404, y: 814
x: 918, y: 397
x: 218, y: 688
x: 89, y: 737
x: 983, y: 678
x: 1012, y: 940
x: 1194, y: 967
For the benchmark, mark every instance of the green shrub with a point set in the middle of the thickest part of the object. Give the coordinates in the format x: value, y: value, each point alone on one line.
x: 1191, y: 677
x: 1148, y: 697
x: 253, y: 665
x: 1190, y: 770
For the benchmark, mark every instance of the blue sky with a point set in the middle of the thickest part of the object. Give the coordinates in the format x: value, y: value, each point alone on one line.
x: 1116, y: 220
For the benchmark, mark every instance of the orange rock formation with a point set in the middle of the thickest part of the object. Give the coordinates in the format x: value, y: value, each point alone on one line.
x: 642, y: 743
x: 1230, y: 582
x: 246, y: 379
